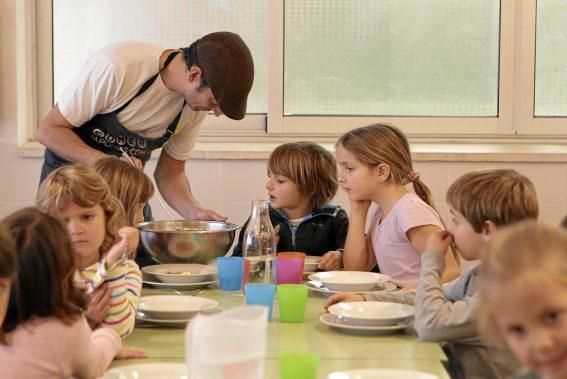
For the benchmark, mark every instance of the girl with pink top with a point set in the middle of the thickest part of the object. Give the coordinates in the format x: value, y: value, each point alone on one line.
x: 375, y: 166
x: 46, y: 334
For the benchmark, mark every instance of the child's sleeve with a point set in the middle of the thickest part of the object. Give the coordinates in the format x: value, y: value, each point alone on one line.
x: 237, y: 252
x: 340, y: 230
x: 125, y: 283
x: 92, y: 351
x: 436, y: 317
x: 403, y: 297
x: 414, y: 214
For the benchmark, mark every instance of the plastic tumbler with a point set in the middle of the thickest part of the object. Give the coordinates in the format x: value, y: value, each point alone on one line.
x: 230, y: 273
x: 292, y: 300
x: 292, y: 254
x: 260, y: 294
x: 289, y: 270
x: 298, y: 366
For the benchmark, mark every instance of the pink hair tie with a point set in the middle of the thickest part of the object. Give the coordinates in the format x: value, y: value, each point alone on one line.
x: 413, y: 176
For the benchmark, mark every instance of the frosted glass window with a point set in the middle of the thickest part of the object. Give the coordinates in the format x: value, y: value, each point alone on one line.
x: 81, y: 27
x: 551, y: 59
x: 391, y: 57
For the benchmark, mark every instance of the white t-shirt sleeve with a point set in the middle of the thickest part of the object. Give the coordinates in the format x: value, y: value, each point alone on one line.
x: 91, y: 92
x: 182, y: 142
x: 415, y: 213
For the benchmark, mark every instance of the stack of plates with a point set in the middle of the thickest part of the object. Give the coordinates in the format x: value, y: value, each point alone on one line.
x: 179, y: 276
x: 311, y: 263
x: 369, y: 317
x: 349, y: 281
x: 172, y: 309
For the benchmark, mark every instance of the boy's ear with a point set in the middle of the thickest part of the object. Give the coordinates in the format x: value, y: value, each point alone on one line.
x: 383, y: 172
x: 489, y: 229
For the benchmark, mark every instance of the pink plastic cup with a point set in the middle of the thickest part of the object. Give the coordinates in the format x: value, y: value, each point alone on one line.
x: 289, y: 270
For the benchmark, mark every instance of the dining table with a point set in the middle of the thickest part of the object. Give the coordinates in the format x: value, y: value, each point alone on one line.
x: 337, y: 351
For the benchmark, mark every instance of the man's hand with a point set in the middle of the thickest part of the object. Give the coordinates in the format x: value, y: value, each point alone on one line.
x: 99, y: 304
x: 439, y: 242
x: 331, y: 260
x: 198, y: 213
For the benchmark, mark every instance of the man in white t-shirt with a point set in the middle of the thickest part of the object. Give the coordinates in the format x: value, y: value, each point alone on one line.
x: 130, y: 98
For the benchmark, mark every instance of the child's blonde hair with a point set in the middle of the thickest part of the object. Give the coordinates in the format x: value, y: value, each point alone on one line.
x: 502, y: 196
x: 86, y: 188
x: 379, y: 143
x: 128, y: 183
x: 521, y: 248
x: 310, y: 166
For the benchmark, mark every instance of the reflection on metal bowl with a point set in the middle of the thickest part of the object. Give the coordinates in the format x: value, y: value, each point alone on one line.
x: 187, y: 241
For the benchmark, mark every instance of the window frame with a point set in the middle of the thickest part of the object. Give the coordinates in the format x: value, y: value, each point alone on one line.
x: 515, y: 118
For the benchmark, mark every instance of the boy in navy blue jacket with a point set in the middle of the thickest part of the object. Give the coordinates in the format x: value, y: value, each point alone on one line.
x: 302, y: 179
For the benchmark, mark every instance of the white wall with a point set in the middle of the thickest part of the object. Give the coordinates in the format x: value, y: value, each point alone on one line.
x: 227, y: 185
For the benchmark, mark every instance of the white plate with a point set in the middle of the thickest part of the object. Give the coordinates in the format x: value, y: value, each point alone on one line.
x: 382, y: 373
x: 180, y: 273
x: 311, y: 263
x: 150, y: 280
x: 144, y: 318
x: 342, y: 325
x: 319, y: 287
x: 174, y: 307
x: 373, y: 313
x: 349, y: 281
x: 148, y: 370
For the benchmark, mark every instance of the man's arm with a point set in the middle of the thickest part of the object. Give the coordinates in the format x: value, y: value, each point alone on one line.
x: 174, y: 186
x: 56, y: 133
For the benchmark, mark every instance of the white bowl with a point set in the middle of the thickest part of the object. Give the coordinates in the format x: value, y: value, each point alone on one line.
x: 382, y: 373
x: 179, y: 273
x: 311, y: 263
x: 349, y: 281
x: 174, y: 307
x: 373, y: 313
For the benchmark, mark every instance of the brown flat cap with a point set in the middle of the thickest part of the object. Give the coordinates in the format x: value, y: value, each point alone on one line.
x: 228, y: 69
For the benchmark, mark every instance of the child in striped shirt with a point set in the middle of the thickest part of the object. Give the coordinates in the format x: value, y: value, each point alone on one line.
x: 95, y: 218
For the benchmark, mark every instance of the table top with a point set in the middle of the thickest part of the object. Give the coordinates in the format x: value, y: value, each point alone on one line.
x: 336, y: 350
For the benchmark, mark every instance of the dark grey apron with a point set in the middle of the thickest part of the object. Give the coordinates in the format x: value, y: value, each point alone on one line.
x: 106, y: 134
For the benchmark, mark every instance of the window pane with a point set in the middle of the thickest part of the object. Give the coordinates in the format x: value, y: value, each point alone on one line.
x: 391, y: 57
x: 551, y: 55
x: 81, y: 27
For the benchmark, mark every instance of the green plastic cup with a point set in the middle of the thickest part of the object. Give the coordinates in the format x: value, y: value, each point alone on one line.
x: 298, y: 366
x: 292, y: 300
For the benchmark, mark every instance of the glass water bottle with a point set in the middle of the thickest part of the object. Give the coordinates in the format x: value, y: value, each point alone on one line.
x: 259, y: 241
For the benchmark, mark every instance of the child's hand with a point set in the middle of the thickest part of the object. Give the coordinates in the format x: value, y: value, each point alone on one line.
x: 360, y: 206
x: 132, y: 235
x: 130, y: 353
x: 439, y: 242
x: 340, y: 297
x: 332, y: 260
x: 128, y: 243
x: 99, y: 304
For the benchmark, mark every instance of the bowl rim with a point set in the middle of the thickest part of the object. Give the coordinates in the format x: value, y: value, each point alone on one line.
x: 232, y: 227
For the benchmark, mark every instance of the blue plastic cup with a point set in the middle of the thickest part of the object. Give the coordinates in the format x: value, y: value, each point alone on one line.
x: 260, y: 294
x: 230, y: 273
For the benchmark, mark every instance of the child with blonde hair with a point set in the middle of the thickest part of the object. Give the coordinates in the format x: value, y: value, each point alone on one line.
x: 480, y: 203
x: 134, y: 189
x: 375, y: 165
x: 46, y: 333
x: 129, y: 184
x: 95, y: 221
x: 523, y: 294
x: 302, y: 179
x: 7, y: 272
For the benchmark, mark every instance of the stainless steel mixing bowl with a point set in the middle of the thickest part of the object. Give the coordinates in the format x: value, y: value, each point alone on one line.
x: 187, y: 241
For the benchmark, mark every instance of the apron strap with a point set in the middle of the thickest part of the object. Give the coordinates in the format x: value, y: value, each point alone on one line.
x: 148, y: 82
